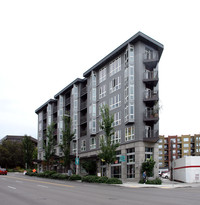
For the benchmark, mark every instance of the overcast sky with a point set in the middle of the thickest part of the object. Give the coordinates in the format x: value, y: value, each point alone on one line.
x: 45, y: 45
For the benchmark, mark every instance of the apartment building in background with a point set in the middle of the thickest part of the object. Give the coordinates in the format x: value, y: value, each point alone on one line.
x: 127, y: 81
x: 175, y: 147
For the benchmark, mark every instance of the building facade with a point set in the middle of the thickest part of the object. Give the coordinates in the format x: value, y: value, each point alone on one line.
x: 127, y: 81
x: 175, y: 147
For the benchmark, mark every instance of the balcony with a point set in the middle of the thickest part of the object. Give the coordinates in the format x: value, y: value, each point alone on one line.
x: 44, y: 126
x: 83, y: 133
x: 151, y: 115
x: 55, y: 120
x: 83, y: 120
x: 83, y: 105
x: 83, y: 91
x: 151, y: 136
x: 150, y: 60
x: 150, y: 77
x: 150, y: 97
x: 44, y: 116
x: 67, y: 101
x: 55, y: 109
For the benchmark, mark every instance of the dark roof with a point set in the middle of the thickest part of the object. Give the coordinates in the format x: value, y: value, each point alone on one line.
x: 17, y: 138
x: 137, y: 37
x: 68, y: 87
x: 44, y: 105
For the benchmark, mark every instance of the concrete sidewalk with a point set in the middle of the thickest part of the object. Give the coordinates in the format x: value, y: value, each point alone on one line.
x: 166, y: 184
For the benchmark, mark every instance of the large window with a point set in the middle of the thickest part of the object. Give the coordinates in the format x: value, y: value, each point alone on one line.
x: 83, y: 145
x: 148, y: 152
x: 116, y: 167
x: 115, y: 66
x: 117, y: 119
x: 93, y: 143
x: 115, y: 102
x: 129, y: 133
x: 130, y: 163
x: 102, y: 91
x: 116, y: 138
x: 100, y: 106
x: 102, y: 75
x: 115, y: 84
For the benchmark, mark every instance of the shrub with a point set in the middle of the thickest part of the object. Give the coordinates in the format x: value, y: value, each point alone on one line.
x: 75, y: 177
x: 48, y: 174
x: 90, y: 178
x: 102, y: 179
x: 113, y: 181
x: 157, y: 181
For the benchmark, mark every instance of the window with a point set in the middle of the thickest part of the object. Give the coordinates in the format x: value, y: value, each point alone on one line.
x: 186, y: 151
x: 117, y: 119
x: 102, y: 91
x: 40, y: 116
x: 115, y: 102
x: 102, y: 137
x: 148, y: 54
x: 102, y: 75
x: 100, y: 106
x: 94, y: 94
x: 186, y: 139
x: 160, y: 146
x: 131, y: 111
x: 130, y: 162
x: 129, y: 133
x: 92, y: 143
x: 40, y: 126
x: 148, y: 152
x: 116, y: 138
x: 186, y: 145
x: 83, y: 145
x: 115, y: 84
x: 92, y: 126
x: 115, y: 66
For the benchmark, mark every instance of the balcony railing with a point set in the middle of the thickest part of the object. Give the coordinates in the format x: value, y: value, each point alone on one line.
x: 150, y: 60
x: 83, y: 133
x: 55, y: 109
x: 150, y: 95
x: 83, y: 91
x: 67, y: 101
x: 150, y: 75
x: 83, y: 119
x: 151, y: 135
x: 151, y: 115
x: 45, y: 116
x: 83, y: 105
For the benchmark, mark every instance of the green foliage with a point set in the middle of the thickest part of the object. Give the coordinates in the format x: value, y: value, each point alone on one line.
x: 28, y: 149
x: 90, y: 166
x: 154, y: 181
x: 96, y: 179
x: 49, y: 148
x: 108, y: 149
x: 114, y: 181
x: 11, y: 154
x: 90, y: 179
x: 67, y: 137
x: 148, y: 166
x: 75, y: 177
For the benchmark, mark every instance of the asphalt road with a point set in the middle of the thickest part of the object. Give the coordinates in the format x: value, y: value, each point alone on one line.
x: 24, y: 190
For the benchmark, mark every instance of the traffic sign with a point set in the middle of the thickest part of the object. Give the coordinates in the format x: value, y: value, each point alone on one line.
x: 122, y: 158
x: 77, y: 161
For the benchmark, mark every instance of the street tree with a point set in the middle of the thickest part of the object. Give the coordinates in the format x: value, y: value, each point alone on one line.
x: 107, y: 148
x: 49, y: 144
x: 67, y: 138
x: 28, y: 149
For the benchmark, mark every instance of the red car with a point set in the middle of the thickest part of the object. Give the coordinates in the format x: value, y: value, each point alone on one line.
x: 3, y: 171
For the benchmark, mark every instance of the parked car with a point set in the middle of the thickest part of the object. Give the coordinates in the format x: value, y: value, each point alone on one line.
x: 3, y: 171
x: 166, y: 175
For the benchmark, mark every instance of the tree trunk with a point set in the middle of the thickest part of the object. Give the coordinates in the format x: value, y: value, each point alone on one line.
x: 108, y: 170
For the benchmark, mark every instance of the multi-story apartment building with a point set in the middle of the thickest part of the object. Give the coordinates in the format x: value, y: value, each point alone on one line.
x: 127, y: 81
x: 175, y: 147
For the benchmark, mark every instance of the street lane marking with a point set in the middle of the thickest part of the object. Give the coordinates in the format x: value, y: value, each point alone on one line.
x: 42, y: 186
x: 11, y: 187
x: 31, y: 180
